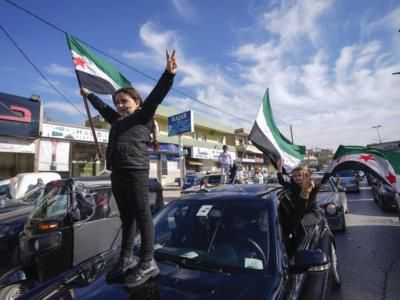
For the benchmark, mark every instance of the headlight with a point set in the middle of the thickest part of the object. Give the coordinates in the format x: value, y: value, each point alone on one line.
x: 331, y: 209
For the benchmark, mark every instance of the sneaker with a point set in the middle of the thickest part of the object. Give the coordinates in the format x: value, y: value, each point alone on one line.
x: 123, y: 264
x: 142, y: 273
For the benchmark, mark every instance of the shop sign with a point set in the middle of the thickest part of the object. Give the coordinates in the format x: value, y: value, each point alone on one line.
x: 19, y: 116
x: 180, y: 123
x: 16, y: 146
x: 198, y: 152
x: 170, y: 148
x: 216, y: 152
x: 248, y: 160
x: 258, y: 159
x: 73, y: 133
x: 54, y: 155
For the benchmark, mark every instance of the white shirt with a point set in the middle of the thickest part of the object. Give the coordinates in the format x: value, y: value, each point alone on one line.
x: 225, y: 158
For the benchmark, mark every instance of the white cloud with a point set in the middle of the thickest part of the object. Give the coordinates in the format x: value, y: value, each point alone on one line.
x: 64, y: 107
x: 294, y: 20
x: 185, y: 9
x: 60, y: 70
x: 329, y: 97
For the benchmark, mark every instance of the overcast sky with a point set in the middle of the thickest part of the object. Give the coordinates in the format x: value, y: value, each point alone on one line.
x: 328, y: 64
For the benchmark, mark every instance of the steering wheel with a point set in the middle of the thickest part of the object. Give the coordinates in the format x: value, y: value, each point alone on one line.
x: 253, y: 245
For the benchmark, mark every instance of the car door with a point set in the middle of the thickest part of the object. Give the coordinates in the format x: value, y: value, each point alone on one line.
x: 97, y: 228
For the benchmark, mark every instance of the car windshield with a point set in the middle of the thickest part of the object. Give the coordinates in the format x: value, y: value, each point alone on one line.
x: 222, y: 235
x: 327, y: 187
x: 53, y: 202
x: 348, y: 173
x: 32, y: 196
x: 191, y: 180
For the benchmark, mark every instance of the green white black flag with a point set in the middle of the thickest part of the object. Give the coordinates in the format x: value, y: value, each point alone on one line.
x: 266, y: 136
x: 93, y: 72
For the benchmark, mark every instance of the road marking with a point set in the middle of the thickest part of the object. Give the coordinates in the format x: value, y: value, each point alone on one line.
x: 360, y: 220
x: 360, y: 199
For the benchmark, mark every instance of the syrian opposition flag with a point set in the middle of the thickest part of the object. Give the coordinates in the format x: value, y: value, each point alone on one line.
x: 266, y: 136
x: 383, y: 164
x: 93, y: 72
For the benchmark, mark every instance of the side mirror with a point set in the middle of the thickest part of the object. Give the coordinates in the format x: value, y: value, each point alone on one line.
x: 310, y: 261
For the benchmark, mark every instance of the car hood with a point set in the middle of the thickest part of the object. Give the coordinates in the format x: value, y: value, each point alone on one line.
x: 10, y: 205
x: 324, y: 198
x: 173, y: 283
x: 17, y: 214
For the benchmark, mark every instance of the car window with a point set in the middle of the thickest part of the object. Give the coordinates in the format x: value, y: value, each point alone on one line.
x: 234, y: 235
x: 53, y: 203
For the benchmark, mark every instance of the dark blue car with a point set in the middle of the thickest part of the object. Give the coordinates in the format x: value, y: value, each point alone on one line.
x: 222, y: 245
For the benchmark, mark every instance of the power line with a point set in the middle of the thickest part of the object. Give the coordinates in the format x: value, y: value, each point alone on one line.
x: 126, y: 65
x: 37, y: 69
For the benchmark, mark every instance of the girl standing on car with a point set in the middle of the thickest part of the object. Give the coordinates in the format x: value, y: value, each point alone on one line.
x: 126, y: 156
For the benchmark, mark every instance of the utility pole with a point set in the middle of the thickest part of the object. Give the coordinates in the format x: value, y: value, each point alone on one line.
x: 396, y: 73
x: 291, y: 133
x: 377, y: 130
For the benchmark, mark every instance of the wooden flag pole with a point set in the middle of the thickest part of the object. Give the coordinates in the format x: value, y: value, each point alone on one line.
x: 98, y: 157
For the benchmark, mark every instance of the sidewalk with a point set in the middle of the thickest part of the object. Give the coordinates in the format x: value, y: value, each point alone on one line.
x: 171, y: 192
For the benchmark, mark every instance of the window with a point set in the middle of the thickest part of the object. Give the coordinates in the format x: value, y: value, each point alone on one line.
x: 194, y: 135
x: 164, y: 167
x: 240, y: 142
x: 201, y: 137
x: 220, y: 140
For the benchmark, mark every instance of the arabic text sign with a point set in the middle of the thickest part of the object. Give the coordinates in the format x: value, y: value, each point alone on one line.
x: 180, y: 123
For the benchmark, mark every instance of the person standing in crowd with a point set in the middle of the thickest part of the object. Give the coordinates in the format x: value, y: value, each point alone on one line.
x: 258, y: 177
x: 225, y: 160
x: 126, y: 154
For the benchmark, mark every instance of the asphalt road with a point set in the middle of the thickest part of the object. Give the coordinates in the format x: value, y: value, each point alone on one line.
x: 369, y: 251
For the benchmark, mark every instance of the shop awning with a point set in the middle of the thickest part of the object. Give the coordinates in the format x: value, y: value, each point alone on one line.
x: 195, y: 163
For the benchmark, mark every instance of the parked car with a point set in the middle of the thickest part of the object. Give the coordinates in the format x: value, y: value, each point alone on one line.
x: 24, y: 182
x: 190, y: 180
x: 73, y: 220
x: 348, y: 180
x: 12, y: 220
x: 226, y: 245
x: 211, y: 180
x: 384, y: 194
x: 333, y: 202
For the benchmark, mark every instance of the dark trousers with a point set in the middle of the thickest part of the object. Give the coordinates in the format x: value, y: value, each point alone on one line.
x: 130, y: 189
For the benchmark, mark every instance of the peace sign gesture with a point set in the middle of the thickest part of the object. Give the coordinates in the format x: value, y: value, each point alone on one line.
x: 172, y: 67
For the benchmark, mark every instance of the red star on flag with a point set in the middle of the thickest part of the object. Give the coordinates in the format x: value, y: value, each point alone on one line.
x: 366, y: 157
x: 391, y: 178
x: 78, y: 61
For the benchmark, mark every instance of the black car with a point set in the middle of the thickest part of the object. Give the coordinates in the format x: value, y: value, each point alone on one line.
x: 383, y: 194
x: 348, y: 180
x: 226, y: 245
x: 74, y: 219
x: 12, y: 219
x: 333, y: 201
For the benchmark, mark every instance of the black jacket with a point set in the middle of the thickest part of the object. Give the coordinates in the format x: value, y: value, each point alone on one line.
x: 129, y: 136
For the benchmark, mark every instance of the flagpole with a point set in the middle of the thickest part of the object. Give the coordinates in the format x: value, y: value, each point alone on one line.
x: 98, y: 156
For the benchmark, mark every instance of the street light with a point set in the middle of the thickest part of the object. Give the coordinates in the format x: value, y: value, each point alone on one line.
x: 377, y: 130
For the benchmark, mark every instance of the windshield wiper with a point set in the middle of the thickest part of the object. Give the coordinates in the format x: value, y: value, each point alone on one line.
x: 193, y: 264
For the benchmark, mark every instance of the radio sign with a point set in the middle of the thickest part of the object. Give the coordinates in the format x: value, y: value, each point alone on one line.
x: 180, y: 123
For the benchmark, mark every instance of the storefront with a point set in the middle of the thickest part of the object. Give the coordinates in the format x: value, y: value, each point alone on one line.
x: 204, y: 159
x: 19, y: 129
x: 164, y: 162
x: 71, y: 151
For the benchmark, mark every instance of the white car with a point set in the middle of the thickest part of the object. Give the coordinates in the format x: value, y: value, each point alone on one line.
x: 24, y: 183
